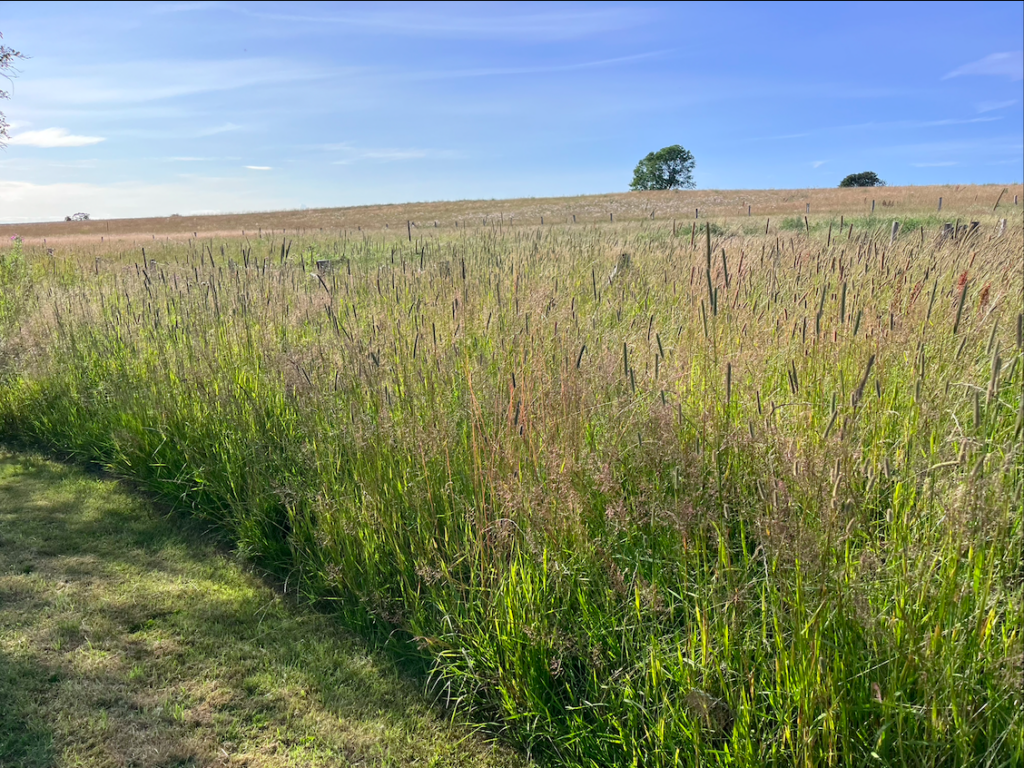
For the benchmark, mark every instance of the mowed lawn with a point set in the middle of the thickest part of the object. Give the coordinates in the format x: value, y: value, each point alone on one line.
x: 129, y: 638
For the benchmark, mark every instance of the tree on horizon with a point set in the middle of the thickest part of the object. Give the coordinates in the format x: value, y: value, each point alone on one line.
x: 668, y: 168
x: 863, y: 179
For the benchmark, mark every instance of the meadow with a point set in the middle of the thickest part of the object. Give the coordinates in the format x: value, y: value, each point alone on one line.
x: 633, y: 490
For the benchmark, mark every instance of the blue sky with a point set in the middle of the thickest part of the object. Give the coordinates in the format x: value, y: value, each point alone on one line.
x: 151, y: 109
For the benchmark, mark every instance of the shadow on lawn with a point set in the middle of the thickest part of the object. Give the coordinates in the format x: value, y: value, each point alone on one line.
x: 25, y: 740
x: 139, y: 641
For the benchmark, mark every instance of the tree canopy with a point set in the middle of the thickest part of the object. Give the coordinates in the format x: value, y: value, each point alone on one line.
x: 865, y: 179
x: 668, y: 168
x: 7, y: 59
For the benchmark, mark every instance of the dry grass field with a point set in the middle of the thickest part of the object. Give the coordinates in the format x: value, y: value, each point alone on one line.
x: 632, y: 491
x: 681, y: 206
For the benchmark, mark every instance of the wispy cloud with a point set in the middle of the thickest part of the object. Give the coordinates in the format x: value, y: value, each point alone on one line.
x: 916, y: 123
x: 939, y: 164
x: 259, y: 167
x: 532, y: 70
x: 161, y: 8
x: 225, y: 128
x: 32, y: 164
x: 818, y: 163
x: 973, y: 147
x: 908, y: 124
x: 351, y: 154
x: 779, y: 138
x: 138, y: 82
x: 992, y: 106
x: 1009, y: 65
x: 547, y: 26
x: 965, y: 121
x: 53, y: 137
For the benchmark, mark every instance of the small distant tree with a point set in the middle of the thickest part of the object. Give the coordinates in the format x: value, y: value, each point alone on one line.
x: 668, y: 168
x: 7, y: 58
x: 865, y: 179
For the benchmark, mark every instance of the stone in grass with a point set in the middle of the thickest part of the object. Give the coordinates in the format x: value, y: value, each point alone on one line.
x: 621, y: 266
x: 714, y: 713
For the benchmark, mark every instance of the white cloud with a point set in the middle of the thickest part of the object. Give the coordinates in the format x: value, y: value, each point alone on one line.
x: 818, y: 163
x: 259, y: 167
x: 1010, y: 64
x: 53, y: 137
x: 992, y: 106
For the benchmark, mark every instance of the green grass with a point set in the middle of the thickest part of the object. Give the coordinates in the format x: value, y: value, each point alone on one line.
x: 735, y: 500
x: 128, y: 638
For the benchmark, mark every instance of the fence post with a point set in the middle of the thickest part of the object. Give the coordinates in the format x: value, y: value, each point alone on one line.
x: 940, y: 203
x: 872, y: 206
x: 895, y: 230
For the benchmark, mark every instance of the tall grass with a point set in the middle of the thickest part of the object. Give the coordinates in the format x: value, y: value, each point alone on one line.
x: 730, y: 500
